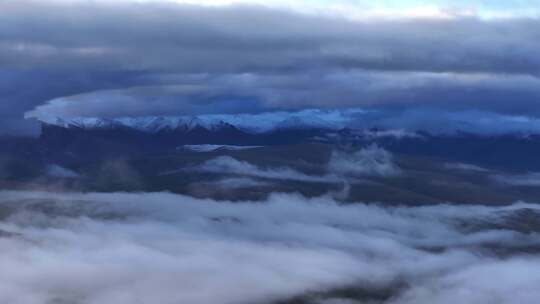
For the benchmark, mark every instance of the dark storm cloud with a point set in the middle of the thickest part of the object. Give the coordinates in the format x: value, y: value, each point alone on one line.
x: 247, y: 38
x: 234, y: 93
x: 252, y: 58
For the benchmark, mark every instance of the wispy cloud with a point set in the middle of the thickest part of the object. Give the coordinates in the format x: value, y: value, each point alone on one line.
x: 342, y: 166
x: 230, y: 165
x: 528, y: 179
x: 61, y: 172
x: 369, y: 161
x: 466, y: 167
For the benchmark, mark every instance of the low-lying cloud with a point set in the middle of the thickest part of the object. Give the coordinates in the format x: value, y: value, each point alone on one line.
x: 466, y: 167
x: 230, y: 165
x: 528, y: 179
x: 370, y: 161
x: 164, y: 248
x: 60, y: 172
x: 238, y: 183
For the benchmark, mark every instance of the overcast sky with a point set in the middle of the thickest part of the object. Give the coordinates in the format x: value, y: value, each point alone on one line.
x: 137, y: 58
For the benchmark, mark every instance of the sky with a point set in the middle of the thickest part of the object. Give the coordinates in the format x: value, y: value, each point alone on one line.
x: 71, y: 58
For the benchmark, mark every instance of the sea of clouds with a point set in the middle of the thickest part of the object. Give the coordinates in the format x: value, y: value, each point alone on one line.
x: 116, y: 248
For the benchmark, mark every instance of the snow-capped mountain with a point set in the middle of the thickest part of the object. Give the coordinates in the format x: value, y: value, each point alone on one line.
x: 479, y: 141
x: 479, y: 123
x: 250, y: 123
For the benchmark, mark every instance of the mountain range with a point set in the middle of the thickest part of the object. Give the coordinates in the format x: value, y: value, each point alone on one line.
x: 88, y: 138
x: 162, y: 154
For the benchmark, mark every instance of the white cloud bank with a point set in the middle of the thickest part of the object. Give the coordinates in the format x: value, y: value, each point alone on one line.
x: 166, y: 248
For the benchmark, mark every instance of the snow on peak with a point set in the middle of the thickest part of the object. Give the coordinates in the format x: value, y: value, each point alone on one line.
x: 253, y: 123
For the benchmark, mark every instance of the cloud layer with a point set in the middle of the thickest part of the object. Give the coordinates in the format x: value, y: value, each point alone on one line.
x: 120, y: 248
x: 249, y: 58
x: 233, y: 39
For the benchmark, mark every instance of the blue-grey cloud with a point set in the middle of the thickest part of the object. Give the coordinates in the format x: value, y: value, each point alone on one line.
x: 252, y: 92
x: 252, y: 57
x: 247, y: 38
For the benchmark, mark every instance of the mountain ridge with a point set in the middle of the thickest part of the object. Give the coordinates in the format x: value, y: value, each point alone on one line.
x: 252, y: 123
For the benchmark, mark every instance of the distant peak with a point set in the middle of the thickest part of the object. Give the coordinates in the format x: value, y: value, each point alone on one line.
x: 253, y: 123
